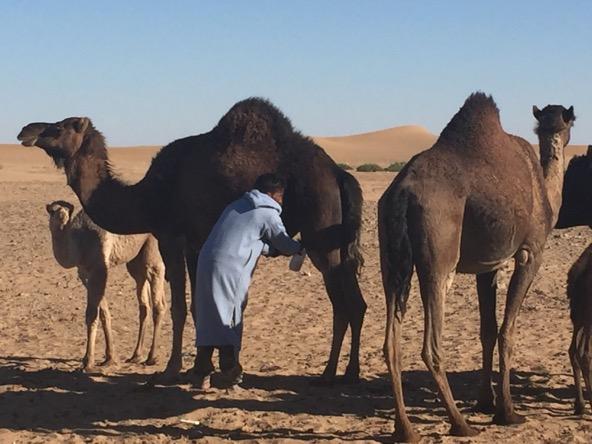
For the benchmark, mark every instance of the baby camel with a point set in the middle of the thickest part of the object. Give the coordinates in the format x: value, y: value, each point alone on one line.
x: 78, y: 242
x: 579, y: 292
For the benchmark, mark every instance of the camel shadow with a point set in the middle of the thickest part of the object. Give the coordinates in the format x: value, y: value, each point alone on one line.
x: 51, y: 400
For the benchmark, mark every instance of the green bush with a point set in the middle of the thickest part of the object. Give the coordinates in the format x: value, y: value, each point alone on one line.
x: 369, y: 168
x: 344, y: 166
x: 395, y: 167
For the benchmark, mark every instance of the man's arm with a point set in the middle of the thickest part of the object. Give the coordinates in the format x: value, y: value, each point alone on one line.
x: 275, y: 234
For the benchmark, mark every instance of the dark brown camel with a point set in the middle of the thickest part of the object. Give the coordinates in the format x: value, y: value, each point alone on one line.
x: 579, y: 292
x: 190, y: 182
x: 576, y: 210
x: 576, y: 205
x: 477, y: 198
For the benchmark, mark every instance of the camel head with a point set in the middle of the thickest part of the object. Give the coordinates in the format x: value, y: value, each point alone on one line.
x: 576, y: 204
x: 60, y: 140
x: 60, y: 213
x: 554, y: 120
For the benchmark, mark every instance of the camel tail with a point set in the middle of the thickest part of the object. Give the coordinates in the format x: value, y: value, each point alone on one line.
x: 396, y: 256
x: 351, y: 208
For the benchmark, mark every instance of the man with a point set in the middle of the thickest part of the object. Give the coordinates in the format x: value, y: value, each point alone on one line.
x: 247, y: 228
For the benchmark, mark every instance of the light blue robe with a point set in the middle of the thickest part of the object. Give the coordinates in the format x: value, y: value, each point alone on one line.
x: 248, y: 227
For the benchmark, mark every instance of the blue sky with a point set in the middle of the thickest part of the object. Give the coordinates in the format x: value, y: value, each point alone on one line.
x: 149, y: 72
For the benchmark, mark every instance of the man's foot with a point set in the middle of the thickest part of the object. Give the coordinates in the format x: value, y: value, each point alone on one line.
x: 228, y: 378
x: 200, y: 381
x: 200, y: 377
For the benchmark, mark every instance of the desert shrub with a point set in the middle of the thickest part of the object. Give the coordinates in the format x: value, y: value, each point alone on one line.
x: 395, y: 167
x: 369, y: 168
x: 344, y: 166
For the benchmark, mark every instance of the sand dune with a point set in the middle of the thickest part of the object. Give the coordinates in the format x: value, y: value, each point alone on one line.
x: 396, y: 144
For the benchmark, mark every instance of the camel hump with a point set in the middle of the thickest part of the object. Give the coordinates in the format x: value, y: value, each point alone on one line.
x: 253, y: 121
x: 477, y: 119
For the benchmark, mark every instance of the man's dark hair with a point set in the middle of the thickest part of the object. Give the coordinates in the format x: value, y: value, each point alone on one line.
x: 270, y: 183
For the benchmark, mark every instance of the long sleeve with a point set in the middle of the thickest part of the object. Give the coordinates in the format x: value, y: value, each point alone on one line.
x: 275, y: 234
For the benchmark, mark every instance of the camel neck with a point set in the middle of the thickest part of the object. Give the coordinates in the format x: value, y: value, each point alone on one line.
x: 113, y: 205
x: 61, y: 245
x: 553, y: 164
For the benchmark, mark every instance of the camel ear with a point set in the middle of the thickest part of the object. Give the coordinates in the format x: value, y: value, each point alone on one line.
x: 536, y: 112
x: 81, y: 124
x: 48, y: 208
x: 568, y: 115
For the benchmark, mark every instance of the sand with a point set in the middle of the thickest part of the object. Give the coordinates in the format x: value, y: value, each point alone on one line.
x: 44, y: 397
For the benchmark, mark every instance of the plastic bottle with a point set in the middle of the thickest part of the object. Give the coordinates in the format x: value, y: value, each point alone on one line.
x: 297, y: 260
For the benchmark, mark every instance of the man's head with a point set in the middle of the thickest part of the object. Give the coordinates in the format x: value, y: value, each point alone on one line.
x: 272, y: 185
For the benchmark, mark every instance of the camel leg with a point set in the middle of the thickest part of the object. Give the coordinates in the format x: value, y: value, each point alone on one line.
x: 171, y: 251
x: 95, y: 284
x: 584, y: 359
x: 105, y: 316
x: 143, y: 295
x: 486, y: 289
x: 433, y: 294
x: 579, y: 405
x: 527, y: 264
x: 404, y: 431
x: 191, y: 256
x: 334, y: 289
x: 156, y: 281
x: 356, y: 308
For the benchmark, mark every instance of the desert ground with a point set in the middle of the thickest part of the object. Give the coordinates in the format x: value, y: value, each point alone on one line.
x: 45, y: 397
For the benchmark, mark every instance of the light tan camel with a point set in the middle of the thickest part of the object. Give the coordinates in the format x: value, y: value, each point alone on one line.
x: 477, y: 198
x: 579, y: 292
x: 78, y: 242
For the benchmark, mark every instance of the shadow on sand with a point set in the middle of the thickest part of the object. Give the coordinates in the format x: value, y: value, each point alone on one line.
x: 51, y: 400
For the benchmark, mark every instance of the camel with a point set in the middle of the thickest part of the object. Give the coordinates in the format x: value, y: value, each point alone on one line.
x: 191, y: 180
x: 474, y: 200
x: 576, y: 205
x: 579, y: 292
x: 576, y: 210
x: 78, y: 242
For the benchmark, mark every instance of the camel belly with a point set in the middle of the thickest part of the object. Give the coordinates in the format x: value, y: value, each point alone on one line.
x: 480, y: 267
x: 491, y: 235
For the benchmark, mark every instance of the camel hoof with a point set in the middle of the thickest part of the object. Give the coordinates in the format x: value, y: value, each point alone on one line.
x: 135, y: 359
x: 485, y: 406
x: 110, y: 362
x: 163, y: 378
x: 501, y: 418
x: 88, y: 369
x: 350, y: 377
x: 579, y: 409
x: 322, y: 381
x: 406, y: 435
x: 463, y: 430
x: 151, y: 361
